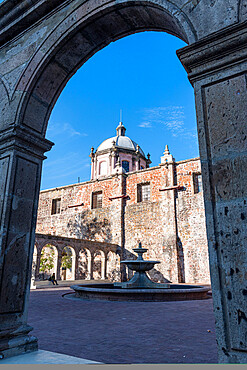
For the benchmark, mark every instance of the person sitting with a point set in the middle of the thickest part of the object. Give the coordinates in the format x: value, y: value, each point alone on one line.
x: 52, y: 278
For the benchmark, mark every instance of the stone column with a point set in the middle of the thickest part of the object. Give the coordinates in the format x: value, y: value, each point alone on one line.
x: 21, y: 156
x: 59, y: 265
x: 77, y: 265
x: 92, y: 170
x: 217, y: 68
x: 103, y: 266
x: 113, y: 161
x: 90, y: 266
x: 37, y: 265
x: 170, y: 253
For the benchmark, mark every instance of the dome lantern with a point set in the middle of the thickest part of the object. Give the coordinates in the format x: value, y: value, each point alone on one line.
x: 121, y: 129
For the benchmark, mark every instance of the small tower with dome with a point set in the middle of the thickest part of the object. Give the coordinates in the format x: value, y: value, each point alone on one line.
x: 118, y: 154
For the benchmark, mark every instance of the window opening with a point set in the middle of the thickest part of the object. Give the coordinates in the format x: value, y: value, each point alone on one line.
x: 56, y: 206
x: 126, y: 166
x: 197, y: 183
x: 143, y: 192
x: 97, y: 199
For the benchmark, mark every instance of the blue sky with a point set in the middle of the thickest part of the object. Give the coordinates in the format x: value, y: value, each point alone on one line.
x: 139, y: 74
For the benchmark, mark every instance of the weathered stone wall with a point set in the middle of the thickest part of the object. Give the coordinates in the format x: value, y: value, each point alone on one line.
x: 191, y: 225
x: 165, y: 225
x: 81, y: 221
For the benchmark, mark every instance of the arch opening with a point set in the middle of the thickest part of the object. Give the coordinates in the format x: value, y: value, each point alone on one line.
x: 48, y: 261
x: 66, y: 55
x: 99, y: 265
x: 68, y: 263
x: 84, y: 264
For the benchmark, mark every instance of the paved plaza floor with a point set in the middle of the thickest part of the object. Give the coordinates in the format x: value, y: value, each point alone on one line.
x: 124, y: 332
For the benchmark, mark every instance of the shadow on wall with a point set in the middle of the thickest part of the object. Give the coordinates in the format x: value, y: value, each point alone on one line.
x: 84, y: 226
x: 154, y: 274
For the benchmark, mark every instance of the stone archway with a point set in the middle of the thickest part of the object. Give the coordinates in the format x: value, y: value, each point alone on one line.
x: 39, y: 57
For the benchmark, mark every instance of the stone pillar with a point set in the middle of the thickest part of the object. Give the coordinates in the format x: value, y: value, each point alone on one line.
x: 92, y: 169
x: 33, y: 285
x: 170, y: 253
x: 21, y: 157
x: 59, y: 265
x: 113, y: 161
x: 37, y: 265
x: 77, y: 257
x: 217, y: 68
x: 90, y: 266
x: 103, y: 267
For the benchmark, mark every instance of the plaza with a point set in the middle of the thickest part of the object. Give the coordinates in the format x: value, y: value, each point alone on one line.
x: 123, y: 332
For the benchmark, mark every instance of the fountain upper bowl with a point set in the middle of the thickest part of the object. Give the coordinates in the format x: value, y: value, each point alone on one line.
x: 136, y: 265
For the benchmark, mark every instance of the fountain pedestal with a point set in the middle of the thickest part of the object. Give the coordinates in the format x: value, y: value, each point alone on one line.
x: 140, y: 266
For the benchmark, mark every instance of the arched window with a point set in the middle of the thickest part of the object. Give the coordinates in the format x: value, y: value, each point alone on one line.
x: 103, y: 168
x: 126, y: 166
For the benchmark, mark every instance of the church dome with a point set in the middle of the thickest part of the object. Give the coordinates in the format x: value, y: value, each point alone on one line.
x: 121, y: 141
x: 118, y: 154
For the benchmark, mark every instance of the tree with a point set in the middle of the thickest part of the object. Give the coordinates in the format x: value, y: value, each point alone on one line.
x: 47, y: 258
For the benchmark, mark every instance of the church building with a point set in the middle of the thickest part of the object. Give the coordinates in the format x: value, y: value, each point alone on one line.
x: 126, y: 201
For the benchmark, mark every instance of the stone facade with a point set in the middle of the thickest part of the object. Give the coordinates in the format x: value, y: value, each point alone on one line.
x: 171, y: 224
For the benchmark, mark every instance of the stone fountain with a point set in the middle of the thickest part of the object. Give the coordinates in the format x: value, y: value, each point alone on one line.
x: 140, y: 287
x: 140, y: 266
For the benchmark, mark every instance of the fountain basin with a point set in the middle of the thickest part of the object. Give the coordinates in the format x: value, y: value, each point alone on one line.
x: 111, y: 292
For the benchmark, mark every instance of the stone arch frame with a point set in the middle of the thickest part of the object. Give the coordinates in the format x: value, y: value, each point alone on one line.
x: 210, y: 61
x: 242, y: 10
x: 56, y: 56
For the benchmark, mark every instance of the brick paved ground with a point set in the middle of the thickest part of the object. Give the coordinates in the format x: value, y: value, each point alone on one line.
x: 124, y: 332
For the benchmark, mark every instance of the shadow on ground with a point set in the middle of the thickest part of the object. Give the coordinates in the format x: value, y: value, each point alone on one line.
x: 124, y: 332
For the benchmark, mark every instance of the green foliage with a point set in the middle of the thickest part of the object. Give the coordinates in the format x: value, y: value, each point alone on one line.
x: 47, y: 259
x: 67, y: 258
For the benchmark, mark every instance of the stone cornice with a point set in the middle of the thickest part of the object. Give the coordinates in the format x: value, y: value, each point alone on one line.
x: 215, y: 52
x: 17, y: 137
x: 121, y: 150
